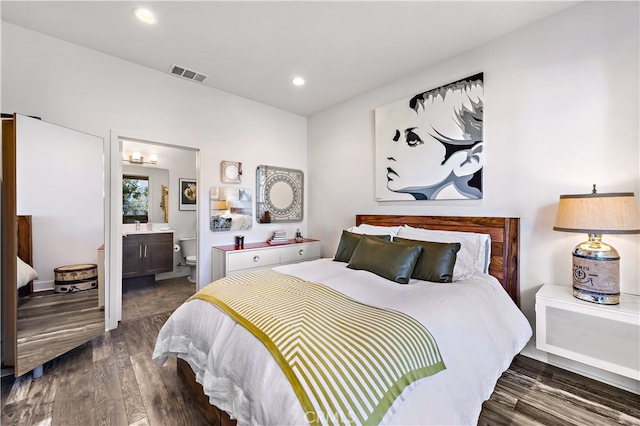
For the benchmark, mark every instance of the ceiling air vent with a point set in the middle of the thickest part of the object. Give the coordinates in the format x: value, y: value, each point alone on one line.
x: 187, y: 73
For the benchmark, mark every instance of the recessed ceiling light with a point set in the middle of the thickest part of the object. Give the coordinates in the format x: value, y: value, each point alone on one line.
x: 298, y: 81
x: 145, y: 15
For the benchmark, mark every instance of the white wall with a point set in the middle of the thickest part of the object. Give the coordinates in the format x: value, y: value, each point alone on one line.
x: 561, y: 113
x: 89, y: 91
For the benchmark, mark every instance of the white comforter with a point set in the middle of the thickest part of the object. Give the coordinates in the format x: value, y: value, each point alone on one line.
x: 476, y: 325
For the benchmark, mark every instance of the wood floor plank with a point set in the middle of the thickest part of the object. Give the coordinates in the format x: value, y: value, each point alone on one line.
x: 570, y: 399
x: 169, y: 375
x: 141, y: 422
x: 578, y: 385
x: 20, y: 389
x: 102, y: 347
x: 162, y: 405
x: 493, y: 414
x: 38, y: 405
x: 133, y: 403
x: 43, y: 393
x: 562, y: 410
x: 109, y: 403
x: 75, y: 389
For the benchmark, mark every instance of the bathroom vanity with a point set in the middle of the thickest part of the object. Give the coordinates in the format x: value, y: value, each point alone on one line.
x: 145, y: 254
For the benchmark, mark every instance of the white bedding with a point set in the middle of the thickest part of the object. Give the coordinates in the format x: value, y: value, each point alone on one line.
x: 476, y: 325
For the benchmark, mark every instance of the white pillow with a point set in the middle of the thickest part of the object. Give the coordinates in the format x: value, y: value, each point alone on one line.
x: 25, y: 273
x: 375, y: 230
x: 474, y: 254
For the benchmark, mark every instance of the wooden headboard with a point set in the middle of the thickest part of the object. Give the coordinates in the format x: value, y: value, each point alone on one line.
x: 25, y: 248
x: 504, y: 232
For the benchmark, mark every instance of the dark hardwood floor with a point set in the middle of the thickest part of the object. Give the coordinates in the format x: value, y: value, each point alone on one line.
x: 50, y: 323
x: 162, y: 296
x: 111, y: 381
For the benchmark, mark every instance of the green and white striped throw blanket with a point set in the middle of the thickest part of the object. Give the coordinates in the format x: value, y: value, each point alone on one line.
x: 347, y: 361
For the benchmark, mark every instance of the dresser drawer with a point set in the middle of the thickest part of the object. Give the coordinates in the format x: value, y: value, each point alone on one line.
x: 299, y: 252
x: 252, y: 259
x: 230, y: 260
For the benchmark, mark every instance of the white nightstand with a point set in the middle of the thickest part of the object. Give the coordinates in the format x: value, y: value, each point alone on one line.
x: 603, y: 336
x: 228, y: 260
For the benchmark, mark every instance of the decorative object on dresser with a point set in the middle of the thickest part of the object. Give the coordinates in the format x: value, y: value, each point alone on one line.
x: 606, y: 337
x: 440, y: 159
x: 596, y: 265
x: 229, y: 260
x: 188, y: 194
x: 279, y: 193
x: 230, y: 172
x: 279, y: 237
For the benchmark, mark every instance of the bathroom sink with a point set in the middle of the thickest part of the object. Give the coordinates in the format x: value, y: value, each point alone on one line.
x: 145, y: 231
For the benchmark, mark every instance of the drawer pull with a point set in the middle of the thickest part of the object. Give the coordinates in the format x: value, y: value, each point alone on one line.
x: 256, y: 258
x: 301, y: 252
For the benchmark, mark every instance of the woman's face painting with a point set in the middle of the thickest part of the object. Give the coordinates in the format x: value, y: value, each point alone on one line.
x: 415, y: 154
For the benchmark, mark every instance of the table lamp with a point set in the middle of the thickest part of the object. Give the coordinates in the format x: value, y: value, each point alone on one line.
x: 596, y: 265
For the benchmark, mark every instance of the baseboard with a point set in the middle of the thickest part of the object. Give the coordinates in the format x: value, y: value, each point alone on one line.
x: 43, y: 286
x: 7, y: 371
x: 598, y: 374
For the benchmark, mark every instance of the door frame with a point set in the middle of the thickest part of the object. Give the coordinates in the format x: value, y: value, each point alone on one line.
x: 113, y: 278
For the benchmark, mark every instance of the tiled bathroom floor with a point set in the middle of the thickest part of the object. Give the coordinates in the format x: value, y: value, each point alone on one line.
x: 162, y: 296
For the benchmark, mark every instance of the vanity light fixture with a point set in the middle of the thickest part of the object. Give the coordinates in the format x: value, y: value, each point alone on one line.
x: 137, y: 158
x: 144, y: 15
x: 298, y: 81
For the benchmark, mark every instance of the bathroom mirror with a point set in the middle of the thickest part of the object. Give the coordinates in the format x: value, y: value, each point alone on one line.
x: 145, y: 187
x: 279, y: 196
x: 231, y: 209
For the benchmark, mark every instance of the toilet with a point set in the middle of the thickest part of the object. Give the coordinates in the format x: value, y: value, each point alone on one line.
x: 189, y: 250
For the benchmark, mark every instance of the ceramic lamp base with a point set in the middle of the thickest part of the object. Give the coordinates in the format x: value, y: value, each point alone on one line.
x: 596, y: 272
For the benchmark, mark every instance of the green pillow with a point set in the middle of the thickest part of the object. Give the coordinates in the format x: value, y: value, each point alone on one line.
x: 348, y: 243
x: 436, y: 262
x: 393, y: 261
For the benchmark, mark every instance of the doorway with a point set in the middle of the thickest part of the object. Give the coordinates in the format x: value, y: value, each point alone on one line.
x: 154, y: 209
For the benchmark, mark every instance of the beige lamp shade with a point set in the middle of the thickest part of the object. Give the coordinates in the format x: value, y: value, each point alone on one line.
x: 614, y: 213
x: 219, y: 205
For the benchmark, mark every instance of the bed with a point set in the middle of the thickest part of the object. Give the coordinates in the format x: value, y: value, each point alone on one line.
x: 474, y: 322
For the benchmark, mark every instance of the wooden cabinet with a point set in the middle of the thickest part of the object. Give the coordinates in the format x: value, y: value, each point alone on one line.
x: 603, y: 336
x: 147, y: 254
x: 227, y: 260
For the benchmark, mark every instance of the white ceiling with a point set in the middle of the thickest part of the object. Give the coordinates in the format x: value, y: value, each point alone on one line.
x: 253, y: 49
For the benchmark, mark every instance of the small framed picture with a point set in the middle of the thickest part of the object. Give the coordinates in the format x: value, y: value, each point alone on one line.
x: 231, y: 172
x: 188, y: 194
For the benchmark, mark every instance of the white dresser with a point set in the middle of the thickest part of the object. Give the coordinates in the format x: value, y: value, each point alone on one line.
x: 603, y: 336
x: 229, y: 260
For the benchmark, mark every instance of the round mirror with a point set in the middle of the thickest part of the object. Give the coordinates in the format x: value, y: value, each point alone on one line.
x: 231, y: 172
x: 280, y: 196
